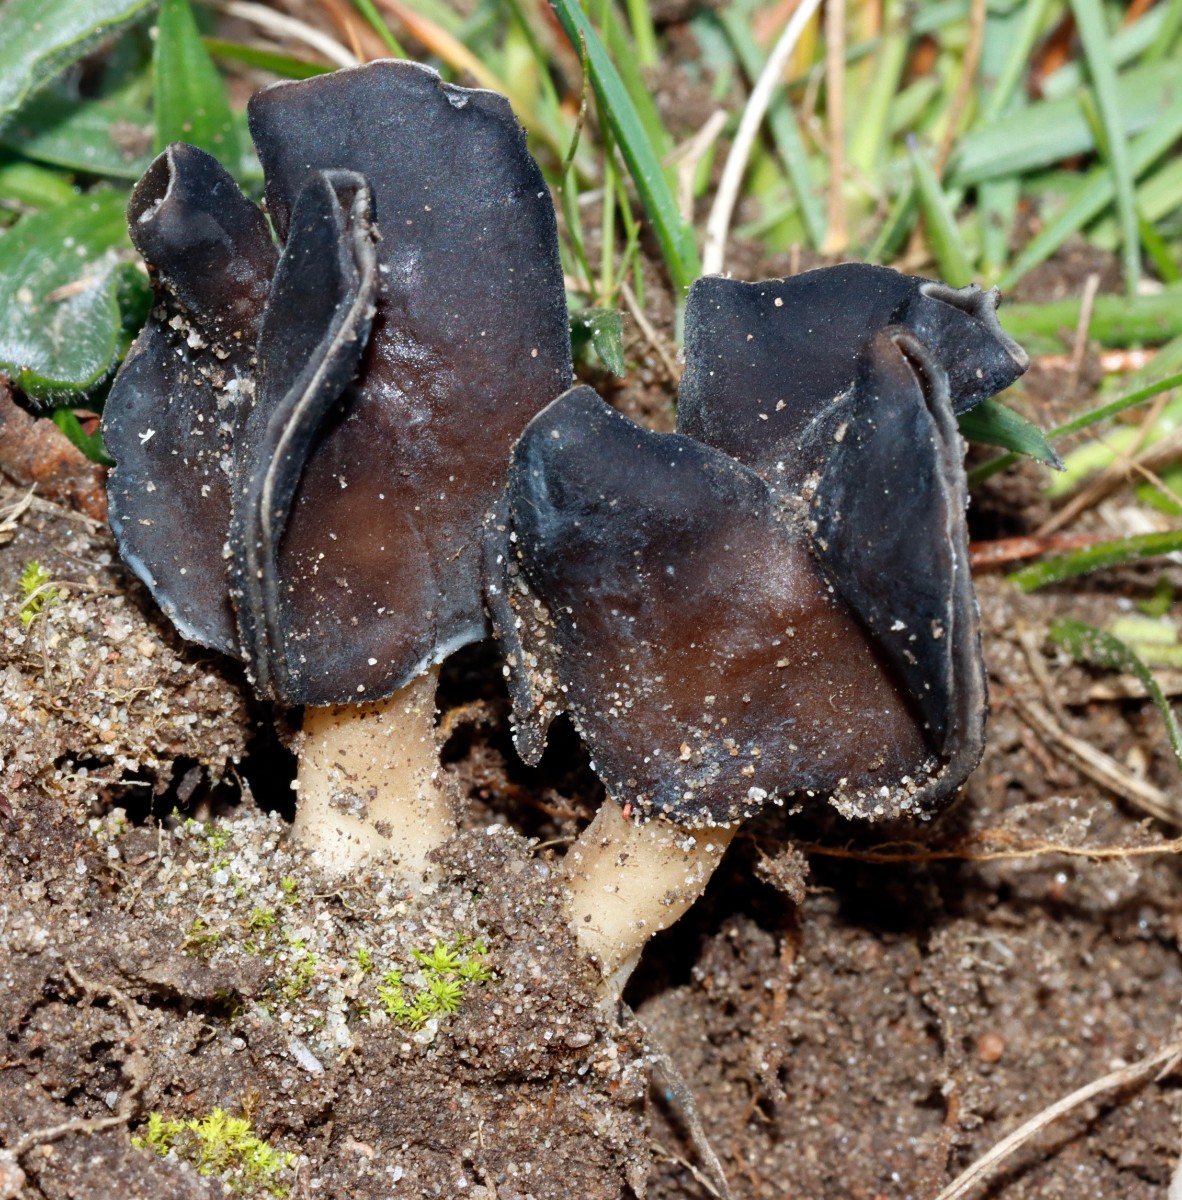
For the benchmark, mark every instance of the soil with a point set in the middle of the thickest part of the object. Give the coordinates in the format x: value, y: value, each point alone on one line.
x: 847, y: 1027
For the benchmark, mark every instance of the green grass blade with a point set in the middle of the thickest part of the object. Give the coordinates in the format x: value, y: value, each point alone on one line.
x: 993, y: 424
x: 1167, y: 35
x: 643, y: 34
x: 1096, y: 194
x: 27, y: 184
x: 1116, y: 321
x: 942, y: 230
x: 1017, y: 61
x: 1087, y: 644
x: 374, y: 18
x: 1045, y: 133
x: 191, y: 104
x: 869, y: 141
x: 1094, y: 416
x: 1096, y: 558
x: 673, y: 235
x: 282, y: 65
x: 1093, y: 32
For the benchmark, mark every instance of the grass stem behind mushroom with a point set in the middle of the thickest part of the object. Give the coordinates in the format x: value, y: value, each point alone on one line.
x: 340, y: 422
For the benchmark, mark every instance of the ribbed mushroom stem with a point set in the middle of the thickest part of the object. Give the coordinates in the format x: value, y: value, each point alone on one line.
x: 627, y: 881
x: 370, y: 782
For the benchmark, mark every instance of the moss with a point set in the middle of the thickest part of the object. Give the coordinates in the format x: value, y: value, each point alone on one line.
x: 222, y: 1145
x: 447, y: 973
x: 37, y: 593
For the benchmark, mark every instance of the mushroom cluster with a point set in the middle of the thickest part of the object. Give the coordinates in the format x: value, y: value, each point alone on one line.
x: 308, y: 440
x: 341, y: 460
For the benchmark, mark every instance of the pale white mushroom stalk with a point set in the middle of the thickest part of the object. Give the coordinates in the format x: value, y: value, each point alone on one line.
x: 370, y: 783
x: 628, y: 880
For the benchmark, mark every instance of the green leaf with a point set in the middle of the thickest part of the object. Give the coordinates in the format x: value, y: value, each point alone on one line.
x: 59, y: 281
x: 1087, y: 644
x: 191, y: 101
x: 43, y: 37
x: 111, y: 137
x: 992, y: 423
x: 1096, y: 558
x: 943, y: 232
x: 1116, y: 321
x: 673, y: 235
x: 1048, y: 132
x: 28, y: 184
x: 606, y: 326
x: 91, y: 444
x: 265, y: 60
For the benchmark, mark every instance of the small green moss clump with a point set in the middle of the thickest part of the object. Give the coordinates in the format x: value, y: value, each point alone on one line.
x: 222, y: 1145
x: 448, y: 971
x: 37, y: 593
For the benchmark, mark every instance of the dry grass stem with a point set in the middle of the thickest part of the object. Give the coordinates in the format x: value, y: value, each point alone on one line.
x: 964, y: 852
x: 836, y: 236
x: 651, y: 336
x: 1100, y: 767
x: 964, y: 86
x: 1087, y: 304
x: 283, y: 26
x: 688, y: 155
x: 719, y: 222
x: 1134, y: 1073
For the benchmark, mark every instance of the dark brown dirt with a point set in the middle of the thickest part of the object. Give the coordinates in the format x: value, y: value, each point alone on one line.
x: 849, y: 1028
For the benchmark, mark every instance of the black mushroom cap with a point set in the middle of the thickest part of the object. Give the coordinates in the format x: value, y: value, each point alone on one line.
x: 370, y: 394
x: 663, y: 595
x: 170, y: 417
x: 769, y: 363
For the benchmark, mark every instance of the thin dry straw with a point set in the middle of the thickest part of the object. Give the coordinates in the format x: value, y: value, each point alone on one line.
x: 718, y: 225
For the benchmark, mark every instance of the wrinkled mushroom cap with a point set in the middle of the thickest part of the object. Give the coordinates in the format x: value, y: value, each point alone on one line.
x: 767, y: 362
x: 717, y: 647
x: 336, y: 425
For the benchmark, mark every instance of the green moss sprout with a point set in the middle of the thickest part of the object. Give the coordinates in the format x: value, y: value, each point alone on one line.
x: 37, y: 592
x: 222, y: 1145
x: 447, y: 971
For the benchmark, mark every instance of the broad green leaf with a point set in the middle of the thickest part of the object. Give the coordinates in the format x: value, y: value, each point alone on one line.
x: 40, y: 38
x: 191, y: 104
x: 98, y: 137
x: 992, y: 423
x: 28, y: 184
x: 59, y: 292
x: 1087, y: 644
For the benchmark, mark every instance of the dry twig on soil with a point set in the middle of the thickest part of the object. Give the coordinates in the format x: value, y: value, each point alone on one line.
x: 1106, y: 1083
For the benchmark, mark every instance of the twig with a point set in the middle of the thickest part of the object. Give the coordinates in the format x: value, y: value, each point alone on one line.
x: 719, y: 222
x: 963, y: 854
x: 1087, y: 304
x: 1100, y: 767
x: 1106, y: 1083
x: 1000, y: 552
x: 284, y: 26
x: 10, y: 515
x: 964, y: 86
x: 835, y: 229
x: 651, y: 336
